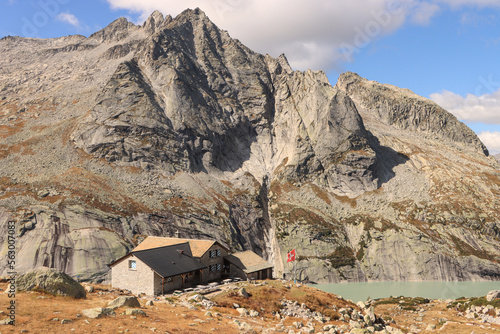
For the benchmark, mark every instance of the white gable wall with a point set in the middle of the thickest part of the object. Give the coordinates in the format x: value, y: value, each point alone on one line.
x: 140, y: 280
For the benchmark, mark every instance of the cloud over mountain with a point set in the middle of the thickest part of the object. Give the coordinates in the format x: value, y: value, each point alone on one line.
x: 492, y: 140
x: 483, y: 108
x: 69, y: 18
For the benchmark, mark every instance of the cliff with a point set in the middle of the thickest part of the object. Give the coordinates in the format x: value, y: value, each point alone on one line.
x: 174, y: 126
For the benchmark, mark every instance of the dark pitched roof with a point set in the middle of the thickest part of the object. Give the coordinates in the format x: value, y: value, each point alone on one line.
x: 171, y: 260
x: 248, y: 261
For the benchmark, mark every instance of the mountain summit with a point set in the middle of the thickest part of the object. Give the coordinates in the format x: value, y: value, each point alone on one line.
x: 174, y: 127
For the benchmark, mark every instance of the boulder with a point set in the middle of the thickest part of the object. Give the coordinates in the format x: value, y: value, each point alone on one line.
x: 243, y: 293
x: 50, y: 281
x: 253, y: 313
x: 371, y: 314
x: 98, y: 312
x: 11, y: 288
x: 6, y: 321
x: 361, y: 305
x: 298, y: 324
x: 134, y: 311
x: 128, y: 301
x: 242, y: 311
x: 197, y: 298
x: 89, y: 288
x: 244, y: 327
x: 492, y: 295
x: 368, y: 320
x: 360, y: 331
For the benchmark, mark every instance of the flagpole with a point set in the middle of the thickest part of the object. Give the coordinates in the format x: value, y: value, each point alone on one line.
x: 294, y: 273
x: 290, y: 257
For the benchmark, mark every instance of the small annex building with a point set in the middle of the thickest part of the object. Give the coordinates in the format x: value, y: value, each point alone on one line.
x: 159, y: 265
x: 248, y: 265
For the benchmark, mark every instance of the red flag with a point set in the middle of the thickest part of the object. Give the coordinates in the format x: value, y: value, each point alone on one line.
x: 291, y: 256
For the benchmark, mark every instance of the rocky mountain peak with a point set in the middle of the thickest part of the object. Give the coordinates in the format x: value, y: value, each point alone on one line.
x: 115, y: 31
x: 154, y: 21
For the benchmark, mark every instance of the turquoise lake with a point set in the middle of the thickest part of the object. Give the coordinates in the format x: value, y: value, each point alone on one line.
x: 428, y: 289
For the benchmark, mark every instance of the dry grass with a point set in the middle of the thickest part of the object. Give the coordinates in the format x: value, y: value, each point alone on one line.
x: 464, y: 249
x: 97, y: 191
x: 321, y: 193
x: 36, y: 311
x: 347, y: 200
x: 267, y: 299
x: 435, y: 311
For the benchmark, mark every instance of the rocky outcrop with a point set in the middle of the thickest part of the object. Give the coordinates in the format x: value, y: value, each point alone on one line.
x: 492, y: 295
x: 50, y: 281
x: 98, y: 312
x: 403, y: 109
x: 124, y: 301
x: 173, y: 127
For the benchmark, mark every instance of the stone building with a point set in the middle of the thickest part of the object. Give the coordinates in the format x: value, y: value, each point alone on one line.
x: 157, y: 270
x: 158, y: 265
x: 248, y: 265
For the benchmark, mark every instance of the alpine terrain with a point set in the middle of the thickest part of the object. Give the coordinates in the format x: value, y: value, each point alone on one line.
x: 175, y: 128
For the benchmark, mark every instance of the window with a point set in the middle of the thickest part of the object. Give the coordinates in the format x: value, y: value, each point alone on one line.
x: 215, y: 267
x: 169, y: 280
x: 215, y: 253
x: 132, y: 265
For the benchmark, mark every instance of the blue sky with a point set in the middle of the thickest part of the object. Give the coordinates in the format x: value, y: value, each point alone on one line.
x: 446, y: 50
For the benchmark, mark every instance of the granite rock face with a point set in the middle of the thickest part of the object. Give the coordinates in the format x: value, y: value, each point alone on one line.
x: 175, y: 128
x: 194, y: 100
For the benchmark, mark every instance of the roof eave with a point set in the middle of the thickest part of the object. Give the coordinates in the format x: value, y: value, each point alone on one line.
x: 186, y: 272
x: 120, y: 259
x: 249, y: 271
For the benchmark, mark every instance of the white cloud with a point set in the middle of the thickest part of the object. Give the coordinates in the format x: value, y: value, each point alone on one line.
x: 473, y: 108
x: 424, y: 12
x: 69, y: 18
x: 491, y: 140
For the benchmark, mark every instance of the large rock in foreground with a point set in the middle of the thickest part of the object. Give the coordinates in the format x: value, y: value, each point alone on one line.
x: 51, y: 281
x: 124, y: 301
